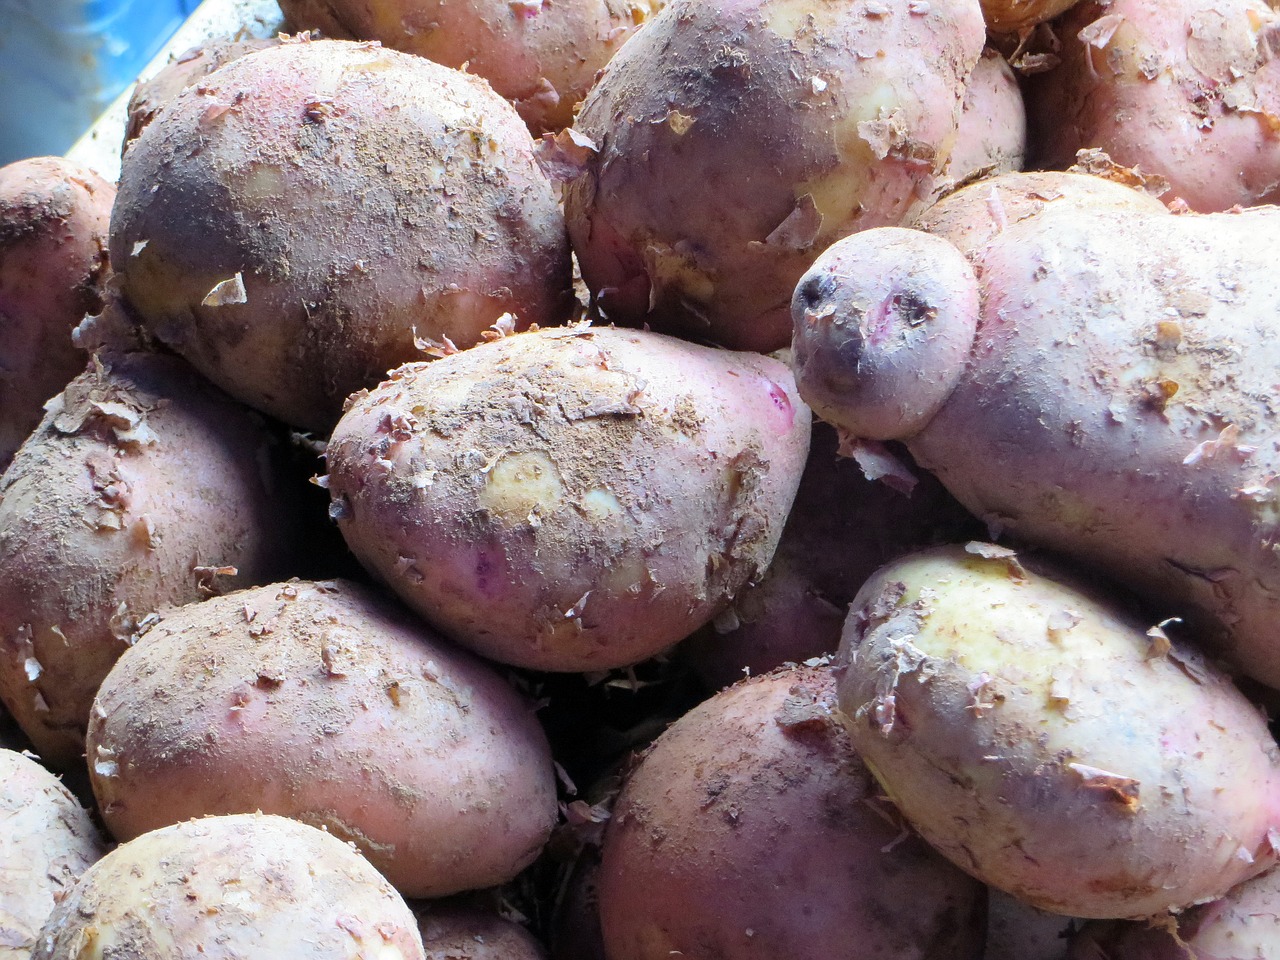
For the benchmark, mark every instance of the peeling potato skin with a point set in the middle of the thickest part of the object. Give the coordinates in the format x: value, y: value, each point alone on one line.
x: 706, y: 840
x: 139, y: 475
x: 53, y: 264
x: 542, y: 56
x: 364, y: 198
x: 224, y: 888
x: 571, y: 499
x: 329, y: 704
x: 1186, y: 90
x: 47, y: 842
x: 717, y: 122
x: 1036, y: 736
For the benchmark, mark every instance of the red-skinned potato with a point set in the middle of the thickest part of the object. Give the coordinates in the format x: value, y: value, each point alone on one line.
x: 992, y: 136
x: 571, y: 499
x: 751, y: 829
x: 1181, y: 89
x: 737, y: 140
x: 225, y: 888
x: 330, y: 704
x: 354, y: 203
x: 462, y: 931
x: 143, y: 488
x: 1113, y: 397
x: 47, y: 842
x: 54, y: 216
x: 542, y: 56
x: 1047, y: 740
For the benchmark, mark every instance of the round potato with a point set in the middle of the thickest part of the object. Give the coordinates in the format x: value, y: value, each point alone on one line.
x: 571, y: 499
x: 47, y: 842
x: 225, y: 888
x: 329, y: 704
x: 309, y: 216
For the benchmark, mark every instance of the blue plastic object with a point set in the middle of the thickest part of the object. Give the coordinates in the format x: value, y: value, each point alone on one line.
x: 63, y: 61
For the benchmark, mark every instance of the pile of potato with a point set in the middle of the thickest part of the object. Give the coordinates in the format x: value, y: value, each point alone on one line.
x: 613, y: 480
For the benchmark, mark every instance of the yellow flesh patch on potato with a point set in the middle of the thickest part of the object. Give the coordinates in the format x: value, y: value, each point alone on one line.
x: 519, y: 485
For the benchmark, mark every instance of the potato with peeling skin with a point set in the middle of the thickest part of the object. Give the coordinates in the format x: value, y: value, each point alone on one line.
x: 572, y: 499
x: 307, y: 217
x: 737, y: 140
x: 1015, y: 16
x: 332, y: 705
x: 1182, y: 89
x: 53, y: 264
x: 1117, y: 401
x: 1046, y: 740
x: 542, y: 55
x: 143, y: 488
x: 751, y: 829
x: 225, y: 888
x: 47, y: 842
x: 992, y: 136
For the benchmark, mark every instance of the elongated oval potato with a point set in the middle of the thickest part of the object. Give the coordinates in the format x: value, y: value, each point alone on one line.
x: 571, y: 499
x: 752, y: 829
x: 332, y: 705
x: 225, y: 888
x: 143, y: 488
x: 47, y: 841
x: 1044, y: 740
x: 308, y: 216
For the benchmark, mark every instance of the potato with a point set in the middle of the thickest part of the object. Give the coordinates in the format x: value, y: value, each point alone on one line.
x: 53, y: 264
x: 143, y: 488
x: 992, y: 136
x: 311, y: 215
x: 737, y: 140
x: 1179, y: 88
x: 225, y: 888
x: 1117, y: 401
x: 1050, y: 742
x: 48, y: 840
x: 459, y: 931
x: 752, y: 829
x: 571, y: 499
x: 1015, y: 16
x: 541, y: 55
x: 326, y: 703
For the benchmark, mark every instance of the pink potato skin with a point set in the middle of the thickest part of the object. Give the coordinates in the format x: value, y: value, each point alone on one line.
x: 571, y: 499
x: 1118, y: 402
x: 751, y: 828
x: 992, y: 136
x: 738, y: 139
x: 541, y: 55
x: 460, y: 931
x: 366, y: 201
x: 53, y: 264
x: 143, y: 488
x: 329, y: 704
x: 1182, y: 89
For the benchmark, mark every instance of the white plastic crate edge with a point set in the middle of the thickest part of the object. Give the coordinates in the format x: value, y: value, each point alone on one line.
x: 99, y: 148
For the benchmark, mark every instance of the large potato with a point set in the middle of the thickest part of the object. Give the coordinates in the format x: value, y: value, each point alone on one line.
x: 1095, y: 378
x: 227, y: 888
x: 542, y: 55
x: 329, y: 704
x: 53, y: 262
x: 571, y: 499
x: 308, y: 216
x: 143, y: 488
x: 1051, y: 743
x: 738, y: 139
x: 46, y: 842
x: 751, y: 829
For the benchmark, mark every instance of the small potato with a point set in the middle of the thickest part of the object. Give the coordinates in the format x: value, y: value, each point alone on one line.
x: 572, y: 499
x: 227, y: 888
x: 458, y: 931
x: 143, y: 488
x: 751, y: 829
x: 53, y: 264
x: 329, y: 704
x: 992, y: 136
x: 1052, y: 744
x: 542, y: 55
x: 46, y: 842
x: 309, y: 216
